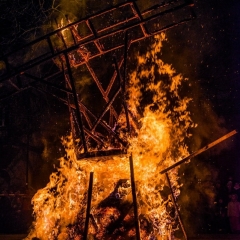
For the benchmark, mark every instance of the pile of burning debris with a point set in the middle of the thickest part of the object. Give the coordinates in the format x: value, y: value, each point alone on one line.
x: 113, y: 218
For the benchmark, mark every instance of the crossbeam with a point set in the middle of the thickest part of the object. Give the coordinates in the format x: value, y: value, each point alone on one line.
x: 230, y: 134
x: 52, y: 50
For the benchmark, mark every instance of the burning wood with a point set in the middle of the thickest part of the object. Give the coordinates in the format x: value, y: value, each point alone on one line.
x: 115, y: 213
x: 126, y: 199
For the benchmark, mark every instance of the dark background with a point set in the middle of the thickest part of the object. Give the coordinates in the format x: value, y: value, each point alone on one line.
x: 206, y: 50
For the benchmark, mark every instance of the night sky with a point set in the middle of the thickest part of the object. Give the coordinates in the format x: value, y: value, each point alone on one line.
x: 206, y: 50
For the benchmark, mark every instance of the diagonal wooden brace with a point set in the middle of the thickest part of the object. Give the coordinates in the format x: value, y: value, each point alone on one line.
x: 230, y: 134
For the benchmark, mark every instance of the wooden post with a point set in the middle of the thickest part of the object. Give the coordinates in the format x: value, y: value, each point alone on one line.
x: 134, y: 196
x: 176, y: 207
x: 89, y: 199
x: 78, y: 111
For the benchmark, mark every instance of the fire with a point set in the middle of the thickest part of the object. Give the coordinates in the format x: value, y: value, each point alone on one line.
x: 160, y: 124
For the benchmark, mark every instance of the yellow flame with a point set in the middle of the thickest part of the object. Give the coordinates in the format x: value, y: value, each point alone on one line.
x: 157, y: 142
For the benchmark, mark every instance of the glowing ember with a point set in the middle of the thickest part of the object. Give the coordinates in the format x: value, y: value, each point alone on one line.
x: 156, y: 142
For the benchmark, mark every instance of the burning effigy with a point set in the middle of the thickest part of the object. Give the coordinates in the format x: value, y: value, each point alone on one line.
x: 119, y: 176
x: 110, y: 182
x: 159, y: 125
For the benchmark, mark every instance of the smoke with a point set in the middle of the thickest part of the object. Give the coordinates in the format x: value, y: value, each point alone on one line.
x: 210, y: 125
x: 73, y: 8
x: 197, y: 196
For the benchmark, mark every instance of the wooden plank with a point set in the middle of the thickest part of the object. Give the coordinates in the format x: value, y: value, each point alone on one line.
x: 134, y: 196
x: 176, y: 207
x: 230, y: 134
x: 89, y: 200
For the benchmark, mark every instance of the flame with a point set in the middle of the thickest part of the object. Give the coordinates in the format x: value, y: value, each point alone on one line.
x: 156, y: 142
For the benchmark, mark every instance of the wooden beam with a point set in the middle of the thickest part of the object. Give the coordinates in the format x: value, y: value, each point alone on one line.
x: 89, y: 200
x: 176, y: 207
x: 230, y: 134
x: 134, y: 196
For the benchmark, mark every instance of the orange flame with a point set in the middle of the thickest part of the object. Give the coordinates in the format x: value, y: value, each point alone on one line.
x: 164, y: 122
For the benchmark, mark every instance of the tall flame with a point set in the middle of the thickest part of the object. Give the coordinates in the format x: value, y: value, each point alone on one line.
x: 160, y: 123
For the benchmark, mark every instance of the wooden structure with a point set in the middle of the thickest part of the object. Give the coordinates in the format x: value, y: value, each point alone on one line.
x: 59, y: 62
